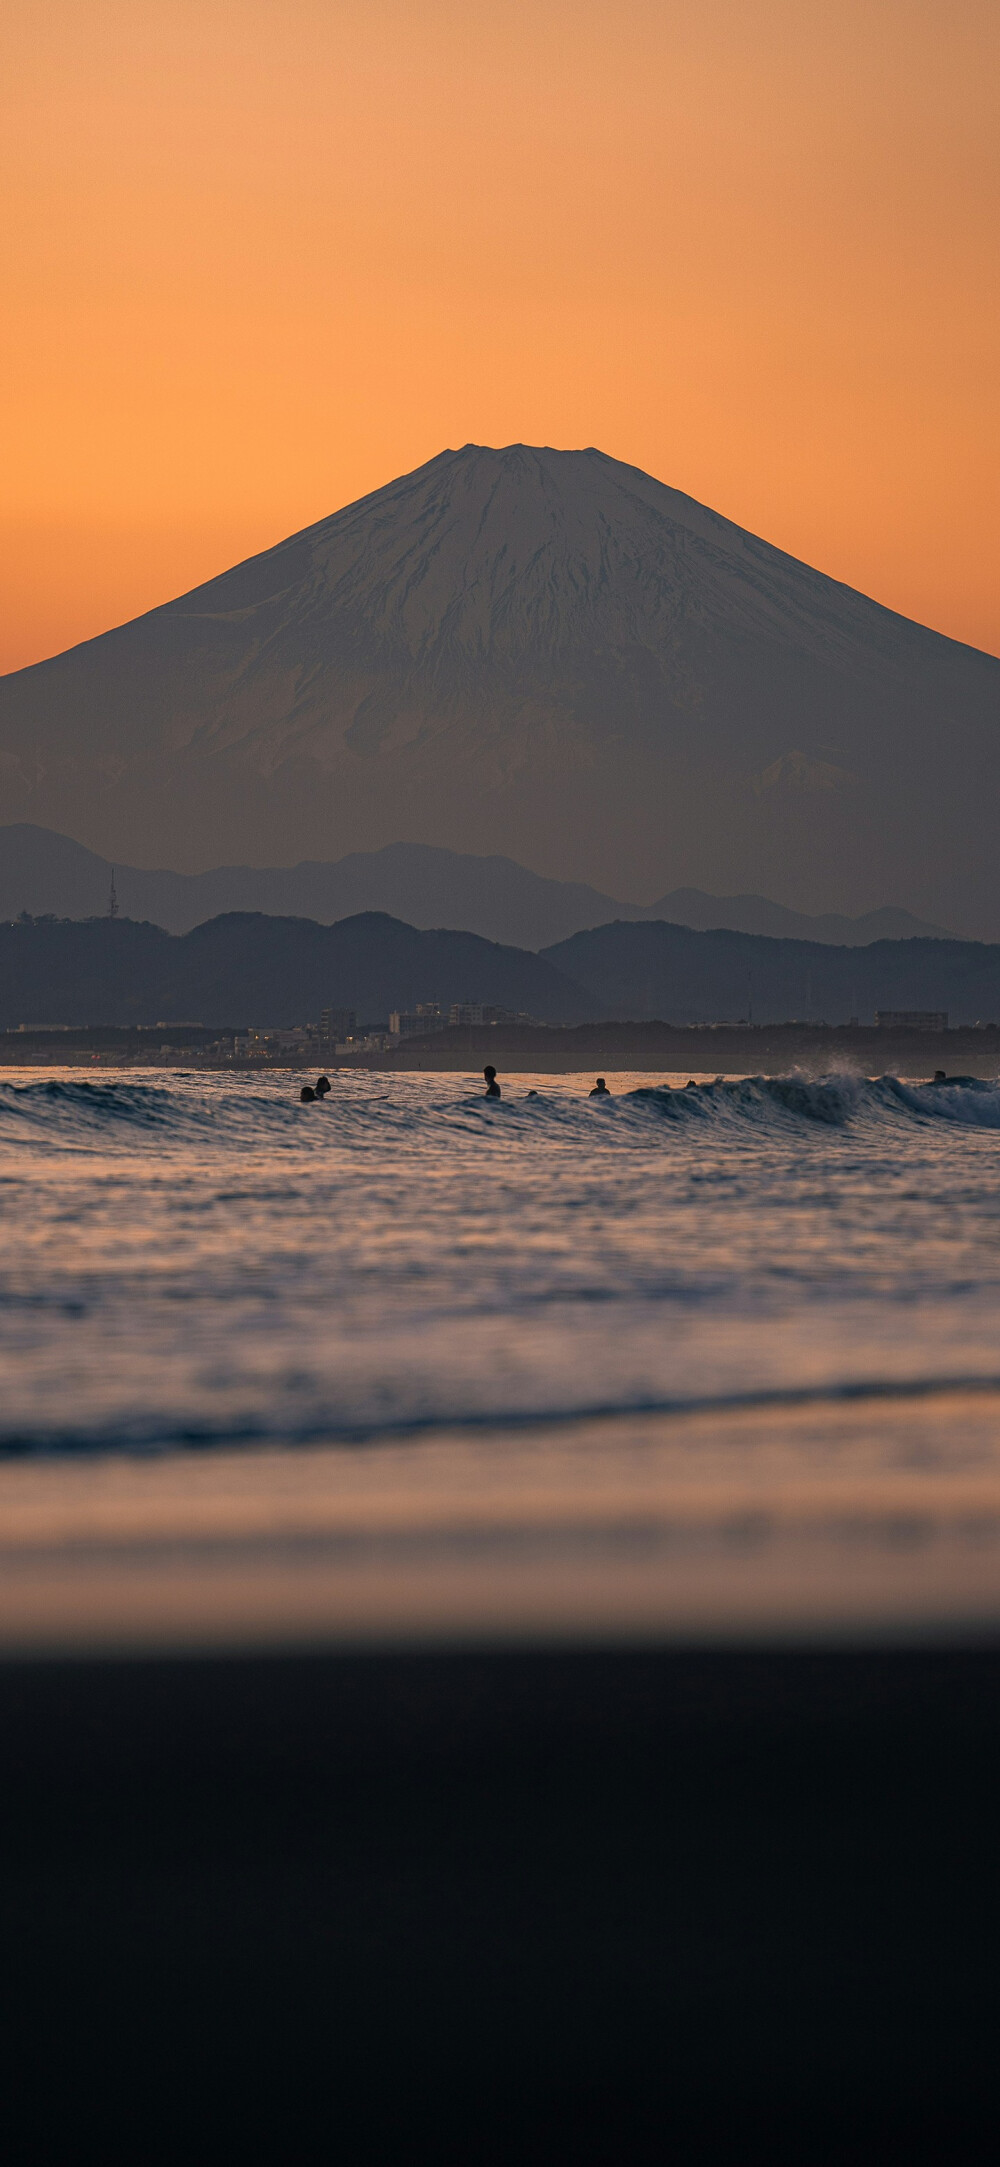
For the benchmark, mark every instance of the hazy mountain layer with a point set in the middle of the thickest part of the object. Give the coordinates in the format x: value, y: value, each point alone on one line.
x: 546, y: 655
x: 667, y: 973
x: 41, y: 872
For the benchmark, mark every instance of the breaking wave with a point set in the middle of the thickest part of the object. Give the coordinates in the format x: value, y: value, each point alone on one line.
x: 835, y: 1101
x: 91, y: 1114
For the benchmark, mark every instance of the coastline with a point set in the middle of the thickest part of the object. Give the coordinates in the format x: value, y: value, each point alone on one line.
x: 832, y: 1517
x: 595, y: 1782
x: 727, y: 1049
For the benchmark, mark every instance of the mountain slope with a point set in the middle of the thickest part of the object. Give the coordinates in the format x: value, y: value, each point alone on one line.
x: 754, y: 914
x: 547, y: 655
x: 667, y: 973
x: 248, y: 969
x: 41, y: 872
x: 243, y: 968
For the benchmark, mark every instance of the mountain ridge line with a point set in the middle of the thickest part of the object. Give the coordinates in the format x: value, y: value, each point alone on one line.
x: 542, y: 655
x: 282, y: 972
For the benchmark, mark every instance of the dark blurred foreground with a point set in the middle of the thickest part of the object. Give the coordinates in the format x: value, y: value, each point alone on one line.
x: 529, y: 1907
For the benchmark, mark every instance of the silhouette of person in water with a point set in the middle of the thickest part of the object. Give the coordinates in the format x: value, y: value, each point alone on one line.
x: 306, y: 1093
x: 322, y: 1086
x: 939, y: 1076
x: 600, y: 1090
x: 492, y: 1086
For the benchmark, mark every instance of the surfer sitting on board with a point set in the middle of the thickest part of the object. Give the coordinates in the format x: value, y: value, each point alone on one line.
x: 492, y: 1086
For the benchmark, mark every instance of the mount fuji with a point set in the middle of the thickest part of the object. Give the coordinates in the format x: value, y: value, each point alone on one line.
x: 543, y: 654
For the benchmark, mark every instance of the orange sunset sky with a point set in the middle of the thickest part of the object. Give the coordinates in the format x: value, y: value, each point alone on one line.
x: 259, y: 256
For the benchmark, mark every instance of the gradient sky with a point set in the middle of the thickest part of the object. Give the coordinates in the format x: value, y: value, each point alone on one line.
x: 259, y: 256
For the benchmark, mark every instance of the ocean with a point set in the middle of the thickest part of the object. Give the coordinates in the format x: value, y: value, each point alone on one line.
x: 700, y: 1360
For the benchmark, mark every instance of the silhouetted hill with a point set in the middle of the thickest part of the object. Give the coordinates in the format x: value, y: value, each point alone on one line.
x: 252, y: 969
x: 667, y: 973
x: 248, y: 969
x: 41, y: 871
x: 543, y: 654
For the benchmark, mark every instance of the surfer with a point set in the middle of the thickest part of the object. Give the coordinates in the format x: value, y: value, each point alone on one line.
x: 322, y: 1086
x: 600, y: 1090
x: 939, y: 1076
x: 492, y: 1086
x: 306, y: 1094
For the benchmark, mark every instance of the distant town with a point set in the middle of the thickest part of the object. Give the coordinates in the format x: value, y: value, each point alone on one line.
x: 903, y: 1042
x: 337, y: 1036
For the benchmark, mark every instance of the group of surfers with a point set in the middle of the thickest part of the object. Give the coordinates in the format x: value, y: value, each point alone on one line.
x: 308, y: 1093
x: 600, y: 1090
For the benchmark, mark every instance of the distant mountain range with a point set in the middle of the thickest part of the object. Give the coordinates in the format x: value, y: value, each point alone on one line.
x: 244, y: 969
x: 249, y: 969
x: 544, y: 655
x: 501, y: 901
x: 637, y: 973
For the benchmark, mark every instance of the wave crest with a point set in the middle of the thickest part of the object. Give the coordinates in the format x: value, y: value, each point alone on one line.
x: 90, y: 1113
x: 834, y: 1101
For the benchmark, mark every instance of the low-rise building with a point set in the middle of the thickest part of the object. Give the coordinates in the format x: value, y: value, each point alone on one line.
x: 911, y: 1019
x: 467, y: 1014
x: 335, y: 1024
x: 415, y: 1023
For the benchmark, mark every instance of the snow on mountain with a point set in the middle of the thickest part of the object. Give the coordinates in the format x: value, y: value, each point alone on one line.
x: 538, y: 654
